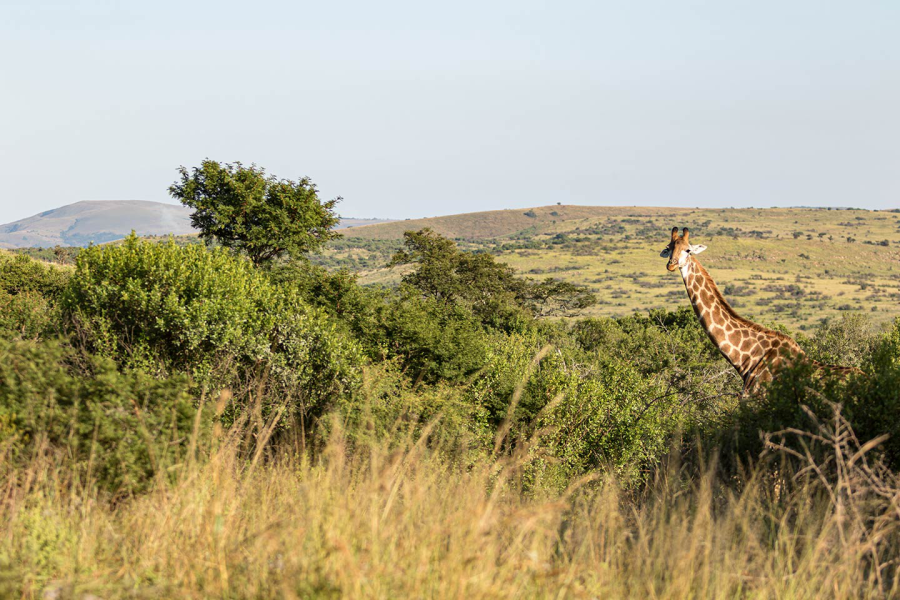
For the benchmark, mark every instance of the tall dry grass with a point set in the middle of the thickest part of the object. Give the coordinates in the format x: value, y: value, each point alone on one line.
x: 406, y: 519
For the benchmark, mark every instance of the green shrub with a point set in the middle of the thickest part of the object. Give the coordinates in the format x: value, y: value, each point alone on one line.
x: 605, y: 414
x: 205, y: 312
x: 870, y: 402
x: 846, y: 340
x: 612, y: 418
x: 182, y: 307
x: 314, y: 364
x: 122, y: 429
x: 28, y: 293
x: 21, y: 274
x: 433, y: 340
x: 671, y: 349
x: 27, y: 315
x: 360, y: 310
x: 388, y: 407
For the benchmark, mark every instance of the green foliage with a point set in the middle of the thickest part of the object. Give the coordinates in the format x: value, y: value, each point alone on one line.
x: 604, y: 414
x: 609, y: 418
x: 846, y: 340
x: 28, y: 293
x: 450, y: 275
x: 122, y: 429
x: 263, y: 216
x: 668, y: 347
x: 20, y: 274
x: 870, y: 401
x: 27, y: 315
x: 315, y: 366
x: 552, y: 297
x: 179, y: 307
x: 477, y: 280
x: 433, y: 340
x: 338, y: 294
x: 388, y: 402
x: 205, y: 312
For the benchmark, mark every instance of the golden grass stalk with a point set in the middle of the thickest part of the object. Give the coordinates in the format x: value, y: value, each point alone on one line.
x: 411, y: 521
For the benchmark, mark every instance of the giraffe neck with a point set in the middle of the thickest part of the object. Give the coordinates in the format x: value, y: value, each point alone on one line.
x: 743, y: 343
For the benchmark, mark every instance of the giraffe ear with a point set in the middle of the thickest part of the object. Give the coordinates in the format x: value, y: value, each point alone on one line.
x: 697, y: 248
x: 665, y: 253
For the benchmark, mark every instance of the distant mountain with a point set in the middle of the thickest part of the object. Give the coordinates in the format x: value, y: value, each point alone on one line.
x: 81, y: 223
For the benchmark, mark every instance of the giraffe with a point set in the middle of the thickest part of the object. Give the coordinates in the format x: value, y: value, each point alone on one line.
x: 755, y: 351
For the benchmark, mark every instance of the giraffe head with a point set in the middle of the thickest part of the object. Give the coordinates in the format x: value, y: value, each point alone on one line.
x: 679, y: 250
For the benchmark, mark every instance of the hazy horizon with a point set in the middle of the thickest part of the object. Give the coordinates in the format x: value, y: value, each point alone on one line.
x: 345, y: 215
x: 410, y: 110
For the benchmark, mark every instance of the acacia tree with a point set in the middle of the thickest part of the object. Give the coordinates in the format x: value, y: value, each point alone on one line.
x: 489, y: 287
x: 263, y: 216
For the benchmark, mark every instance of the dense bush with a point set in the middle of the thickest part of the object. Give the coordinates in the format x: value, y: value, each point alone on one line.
x: 847, y: 340
x: 205, y: 312
x: 120, y: 428
x: 803, y: 394
x: 21, y: 274
x: 29, y: 290
x: 27, y: 315
x: 600, y: 414
x: 179, y: 306
x: 611, y: 417
x: 433, y: 340
x: 671, y: 349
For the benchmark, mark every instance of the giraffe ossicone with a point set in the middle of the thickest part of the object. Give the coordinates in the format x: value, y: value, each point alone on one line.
x: 756, y: 352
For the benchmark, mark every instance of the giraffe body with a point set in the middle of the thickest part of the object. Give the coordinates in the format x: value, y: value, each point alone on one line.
x: 756, y: 352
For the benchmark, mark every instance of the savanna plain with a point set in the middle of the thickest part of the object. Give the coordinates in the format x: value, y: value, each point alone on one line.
x: 508, y: 404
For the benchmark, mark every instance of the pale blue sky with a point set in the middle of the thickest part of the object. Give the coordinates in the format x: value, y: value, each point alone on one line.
x: 411, y: 109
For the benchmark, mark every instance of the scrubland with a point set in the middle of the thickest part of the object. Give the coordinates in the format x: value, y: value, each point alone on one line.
x: 177, y: 423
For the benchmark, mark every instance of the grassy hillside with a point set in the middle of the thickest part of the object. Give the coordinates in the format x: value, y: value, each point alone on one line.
x: 789, y: 266
x: 495, y: 223
x: 348, y: 222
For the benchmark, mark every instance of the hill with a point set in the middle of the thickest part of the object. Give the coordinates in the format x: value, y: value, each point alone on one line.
x: 792, y: 266
x: 81, y: 223
x: 494, y: 223
x: 349, y: 222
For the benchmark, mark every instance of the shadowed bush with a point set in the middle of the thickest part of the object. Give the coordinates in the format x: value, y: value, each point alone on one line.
x: 118, y: 430
x: 802, y: 395
x: 29, y: 291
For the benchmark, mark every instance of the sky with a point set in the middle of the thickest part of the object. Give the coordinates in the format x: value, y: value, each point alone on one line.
x: 411, y: 109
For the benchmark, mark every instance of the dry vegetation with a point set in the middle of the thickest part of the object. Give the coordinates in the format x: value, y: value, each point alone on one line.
x: 415, y: 520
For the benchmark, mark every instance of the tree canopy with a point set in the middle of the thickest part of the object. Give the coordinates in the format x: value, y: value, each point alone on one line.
x: 245, y: 209
x: 491, y: 288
